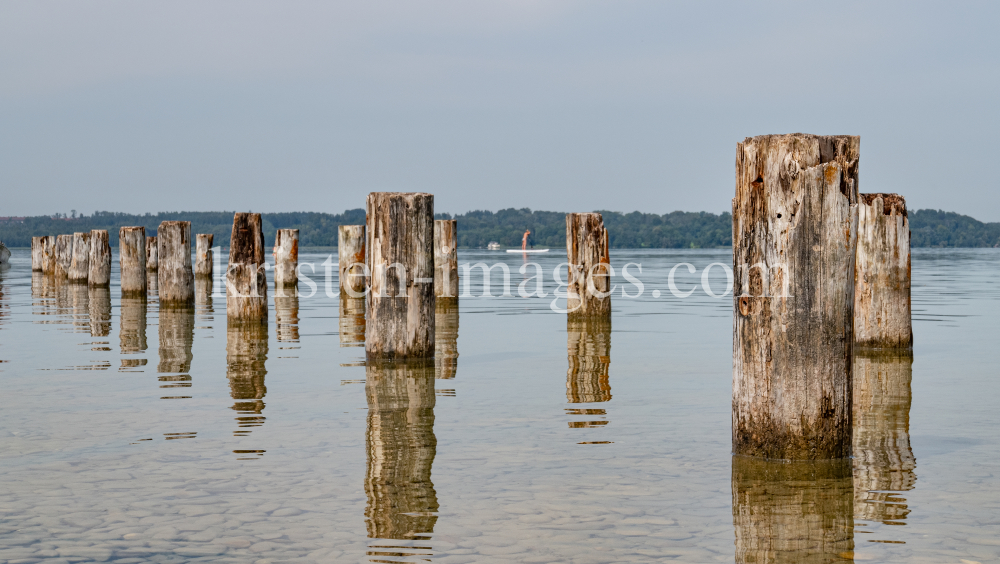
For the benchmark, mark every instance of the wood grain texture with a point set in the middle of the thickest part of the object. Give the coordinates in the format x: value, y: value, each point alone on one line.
x: 79, y: 267
x: 47, y: 254
x: 587, y: 253
x: 246, y: 278
x: 100, y: 258
x: 286, y: 259
x: 152, y: 250
x: 204, y: 258
x: 882, y: 274
x: 64, y: 256
x: 400, y: 246
x: 350, y: 259
x: 173, y: 252
x: 132, y: 261
x: 36, y: 254
x: 795, y: 220
x: 446, y: 259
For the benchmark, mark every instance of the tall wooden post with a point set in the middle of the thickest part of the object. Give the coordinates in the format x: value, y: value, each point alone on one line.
x: 79, y: 268
x: 882, y: 274
x: 64, y: 255
x: 246, y: 280
x: 48, y: 255
x: 446, y: 259
x: 152, y: 260
x: 100, y: 258
x: 351, y: 260
x: 132, y: 260
x: 173, y: 253
x: 286, y: 260
x: 400, y: 246
x: 203, y: 255
x: 588, y: 292
x: 795, y: 220
x: 36, y: 254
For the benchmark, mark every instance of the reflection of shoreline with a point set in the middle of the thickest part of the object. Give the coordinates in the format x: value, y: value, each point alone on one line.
x: 402, y: 502
x: 794, y: 512
x: 883, y: 460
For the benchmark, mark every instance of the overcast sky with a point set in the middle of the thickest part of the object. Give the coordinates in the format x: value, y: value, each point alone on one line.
x: 567, y: 106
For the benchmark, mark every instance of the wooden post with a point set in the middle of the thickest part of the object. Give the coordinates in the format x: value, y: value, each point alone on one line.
x: 100, y: 258
x: 795, y: 220
x: 152, y: 260
x: 48, y: 255
x: 36, y: 254
x: 446, y: 259
x: 286, y: 260
x: 79, y: 267
x: 882, y: 274
x: 588, y: 344
x: 445, y: 338
x: 132, y: 324
x: 400, y: 246
x: 352, y: 321
x: 351, y: 260
x: 203, y: 255
x: 100, y: 311
x: 246, y: 280
x: 286, y: 318
x: 246, y: 355
x: 132, y: 261
x: 588, y: 292
x: 792, y: 511
x: 173, y: 253
x: 882, y: 458
x: 176, y: 328
x: 401, y: 445
x: 64, y: 255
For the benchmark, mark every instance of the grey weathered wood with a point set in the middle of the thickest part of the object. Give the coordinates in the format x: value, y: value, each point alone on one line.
x: 796, y: 512
x: 286, y: 261
x: 36, y: 254
x: 176, y: 330
x: 882, y: 458
x: 795, y: 220
x: 100, y: 258
x: 152, y: 250
x: 882, y: 274
x: 446, y: 259
x: 351, y: 260
x: 48, y: 255
x: 173, y: 253
x: 64, y: 255
x: 401, y: 446
x: 246, y: 357
x: 588, y: 291
x: 246, y: 279
x: 132, y: 260
x: 400, y: 247
x: 445, y: 338
x: 79, y: 267
x: 351, y: 323
x: 203, y: 255
x: 588, y: 345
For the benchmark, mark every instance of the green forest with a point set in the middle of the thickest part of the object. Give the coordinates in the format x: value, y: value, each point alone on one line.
x: 476, y: 229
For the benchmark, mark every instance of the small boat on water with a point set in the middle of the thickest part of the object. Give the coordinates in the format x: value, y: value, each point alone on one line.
x: 4, y: 253
x: 527, y: 250
x: 493, y: 246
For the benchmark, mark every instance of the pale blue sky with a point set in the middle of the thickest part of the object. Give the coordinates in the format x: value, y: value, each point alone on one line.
x: 568, y: 106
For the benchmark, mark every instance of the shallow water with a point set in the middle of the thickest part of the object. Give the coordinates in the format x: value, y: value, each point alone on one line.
x: 132, y: 433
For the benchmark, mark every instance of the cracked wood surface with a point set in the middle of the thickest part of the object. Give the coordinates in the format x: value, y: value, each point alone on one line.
x: 882, y: 274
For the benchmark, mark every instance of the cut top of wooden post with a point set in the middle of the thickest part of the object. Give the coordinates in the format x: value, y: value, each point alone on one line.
x: 882, y: 318
x: 588, y: 291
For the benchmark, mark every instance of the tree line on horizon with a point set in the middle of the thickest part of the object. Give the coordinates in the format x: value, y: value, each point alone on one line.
x: 476, y: 229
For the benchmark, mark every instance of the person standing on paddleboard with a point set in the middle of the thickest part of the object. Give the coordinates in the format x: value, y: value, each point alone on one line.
x: 524, y: 240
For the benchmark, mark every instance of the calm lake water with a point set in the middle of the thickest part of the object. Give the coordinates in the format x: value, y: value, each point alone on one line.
x: 132, y: 434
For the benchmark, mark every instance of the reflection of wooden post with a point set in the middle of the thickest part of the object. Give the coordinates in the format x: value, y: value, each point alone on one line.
x: 132, y: 260
x: 352, y: 321
x: 203, y: 255
x: 132, y: 327
x: 794, y: 239
x: 883, y: 460
x: 286, y: 318
x: 286, y: 260
x: 79, y: 298
x: 445, y: 338
x: 36, y: 254
x: 400, y: 246
x: 588, y: 344
x: 246, y: 354
x: 795, y: 512
x: 48, y: 255
x: 402, y: 502
x: 203, y: 286
x: 152, y: 257
x: 588, y: 292
x: 173, y: 253
x: 246, y: 281
x: 100, y: 258
x: 64, y: 255
x: 79, y: 267
x: 882, y: 274
x: 176, y: 327
x: 351, y: 258
x: 446, y: 259
x: 100, y: 311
